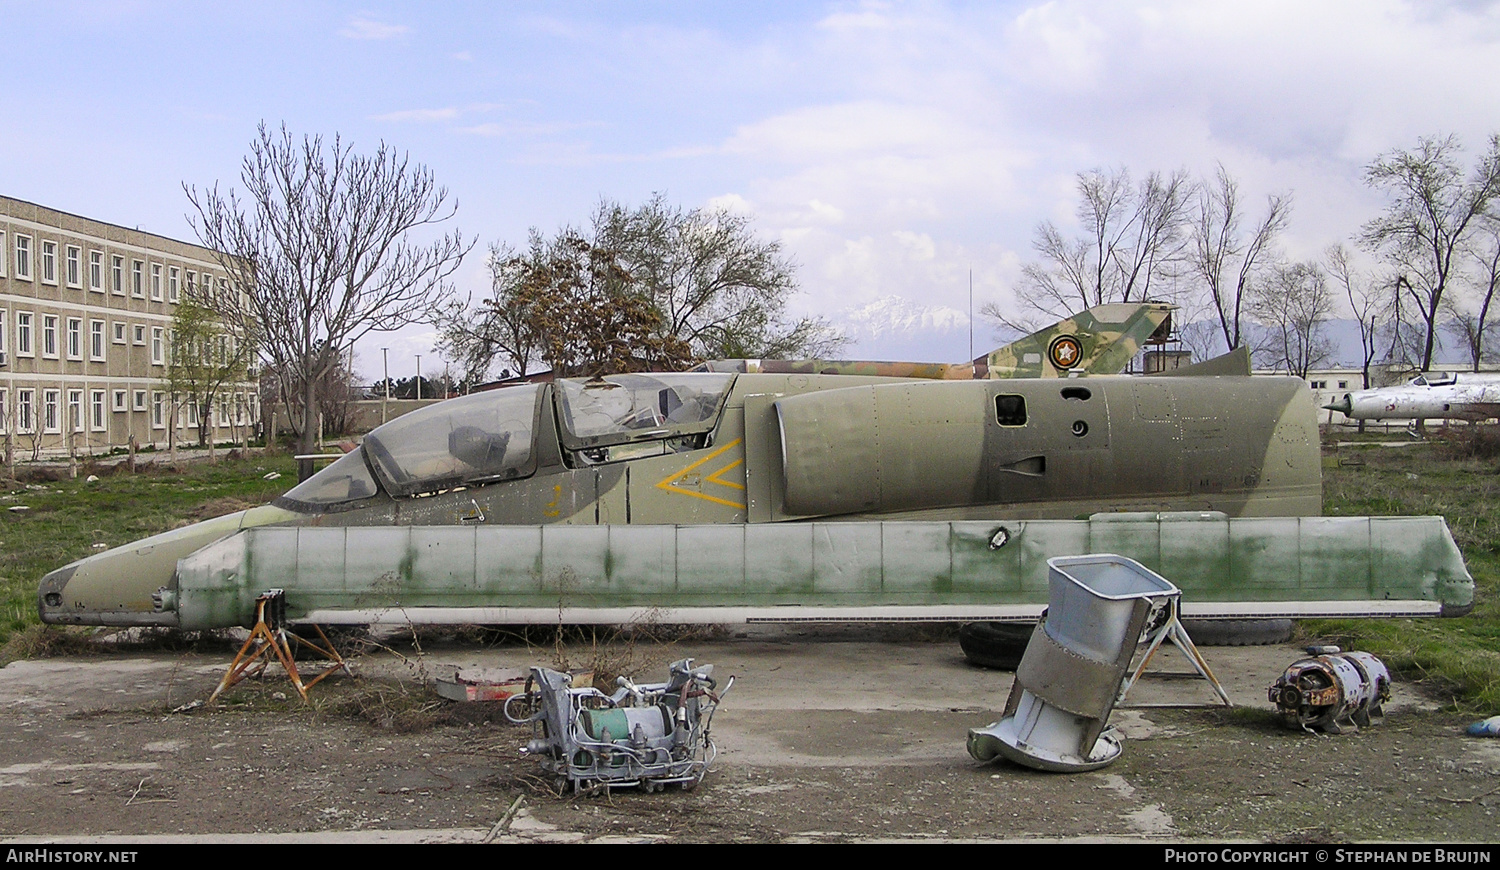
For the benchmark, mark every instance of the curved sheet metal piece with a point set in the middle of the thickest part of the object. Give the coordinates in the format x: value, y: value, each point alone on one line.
x: 816, y: 571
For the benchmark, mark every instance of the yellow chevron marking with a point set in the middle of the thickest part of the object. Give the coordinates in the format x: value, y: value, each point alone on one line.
x: 671, y: 482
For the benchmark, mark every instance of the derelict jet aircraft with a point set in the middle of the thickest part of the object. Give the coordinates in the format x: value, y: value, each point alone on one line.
x: 742, y: 496
x: 1429, y: 396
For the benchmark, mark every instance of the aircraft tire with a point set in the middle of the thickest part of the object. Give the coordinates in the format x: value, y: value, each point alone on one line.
x: 1238, y: 632
x: 997, y: 645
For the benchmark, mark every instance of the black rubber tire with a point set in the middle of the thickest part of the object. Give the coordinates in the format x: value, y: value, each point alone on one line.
x: 997, y: 645
x: 1239, y: 632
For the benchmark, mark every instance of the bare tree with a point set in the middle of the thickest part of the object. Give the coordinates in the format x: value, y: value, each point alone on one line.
x: 1433, y: 213
x: 1225, y: 260
x: 1132, y: 237
x: 1293, y: 303
x: 320, y: 252
x: 1470, y: 315
x: 1368, y: 302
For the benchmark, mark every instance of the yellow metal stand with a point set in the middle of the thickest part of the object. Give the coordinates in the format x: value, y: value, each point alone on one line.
x: 270, y: 636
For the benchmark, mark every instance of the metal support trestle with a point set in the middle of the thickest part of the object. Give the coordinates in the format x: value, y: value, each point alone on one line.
x: 1171, y: 629
x: 269, y: 635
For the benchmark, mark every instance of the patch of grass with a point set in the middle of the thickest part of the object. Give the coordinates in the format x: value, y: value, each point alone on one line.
x: 45, y: 642
x: 66, y: 520
x: 1458, y: 657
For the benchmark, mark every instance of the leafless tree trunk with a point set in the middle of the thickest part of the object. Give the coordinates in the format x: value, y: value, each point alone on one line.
x: 1366, y: 301
x: 1294, y: 304
x: 1471, y: 324
x: 1433, y: 213
x: 1225, y: 261
x: 319, y: 252
x: 1133, y: 236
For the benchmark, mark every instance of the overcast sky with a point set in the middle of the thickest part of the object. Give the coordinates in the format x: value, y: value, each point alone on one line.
x: 890, y: 147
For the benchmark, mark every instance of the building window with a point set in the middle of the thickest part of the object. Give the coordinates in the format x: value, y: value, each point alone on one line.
x: 49, y: 262
x: 140, y: 400
x: 192, y: 282
x: 96, y: 340
x: 96, y: 410
x: 155, y: 282
x: 96, y: 271
x: 2, y: 255
x: 23, y: 257
x: 25, y: 421
x: 3, y: 321
x: 1343, y: 385
x: 23, y: 334
x: 49, y: 336
x: 138, y: 335
x: 75, y: 266
x: 75, y: 410
x: 158, y: 412
x: 75, y: 338
x: 119, y: 400
x: 50, y: 421
x: 173, y: 281
x: 119, y: 332
x: 137, y: 277
x: 4, y: 408
x: 117, y: 274
x: 158, y: 355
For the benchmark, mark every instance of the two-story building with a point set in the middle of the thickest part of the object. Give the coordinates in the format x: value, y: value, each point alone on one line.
x: 86, y: 313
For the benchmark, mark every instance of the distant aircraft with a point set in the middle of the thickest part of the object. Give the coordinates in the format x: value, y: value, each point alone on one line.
x: 1429, y: 396
x: 726, y: 496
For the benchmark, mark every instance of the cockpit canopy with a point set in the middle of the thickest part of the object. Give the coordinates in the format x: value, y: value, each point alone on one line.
x: 623, y: 408
x: 488, y: 437
x: 474, y: 439
x: 1434, y: 379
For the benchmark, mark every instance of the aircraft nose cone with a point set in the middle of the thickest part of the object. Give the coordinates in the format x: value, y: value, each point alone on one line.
x: 1343, y: 406
x: 49, y: 596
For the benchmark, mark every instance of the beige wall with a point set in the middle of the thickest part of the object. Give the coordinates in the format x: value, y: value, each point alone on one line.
x: 48, y: 323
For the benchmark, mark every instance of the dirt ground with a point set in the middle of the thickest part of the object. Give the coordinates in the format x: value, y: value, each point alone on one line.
x: 850, y: 734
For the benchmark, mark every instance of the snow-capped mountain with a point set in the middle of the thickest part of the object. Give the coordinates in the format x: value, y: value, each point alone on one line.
x: 896, y: 328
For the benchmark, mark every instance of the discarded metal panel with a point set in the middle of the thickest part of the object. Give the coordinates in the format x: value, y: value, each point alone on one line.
x: 650, y: 735
x: 812, y: 571
x: 1332, y: 690
x: 489, y: 685
x: 1057, y: 715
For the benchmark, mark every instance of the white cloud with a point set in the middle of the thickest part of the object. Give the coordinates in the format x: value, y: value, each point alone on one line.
x: 428, y: 116
x: 730, y: 202
x: 420, y: 116
x: 362, y: 26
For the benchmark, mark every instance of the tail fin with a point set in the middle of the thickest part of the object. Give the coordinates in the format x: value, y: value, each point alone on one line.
x: 1099, y: 341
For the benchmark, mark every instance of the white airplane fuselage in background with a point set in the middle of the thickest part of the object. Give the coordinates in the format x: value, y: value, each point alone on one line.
x: 1430, y: 396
